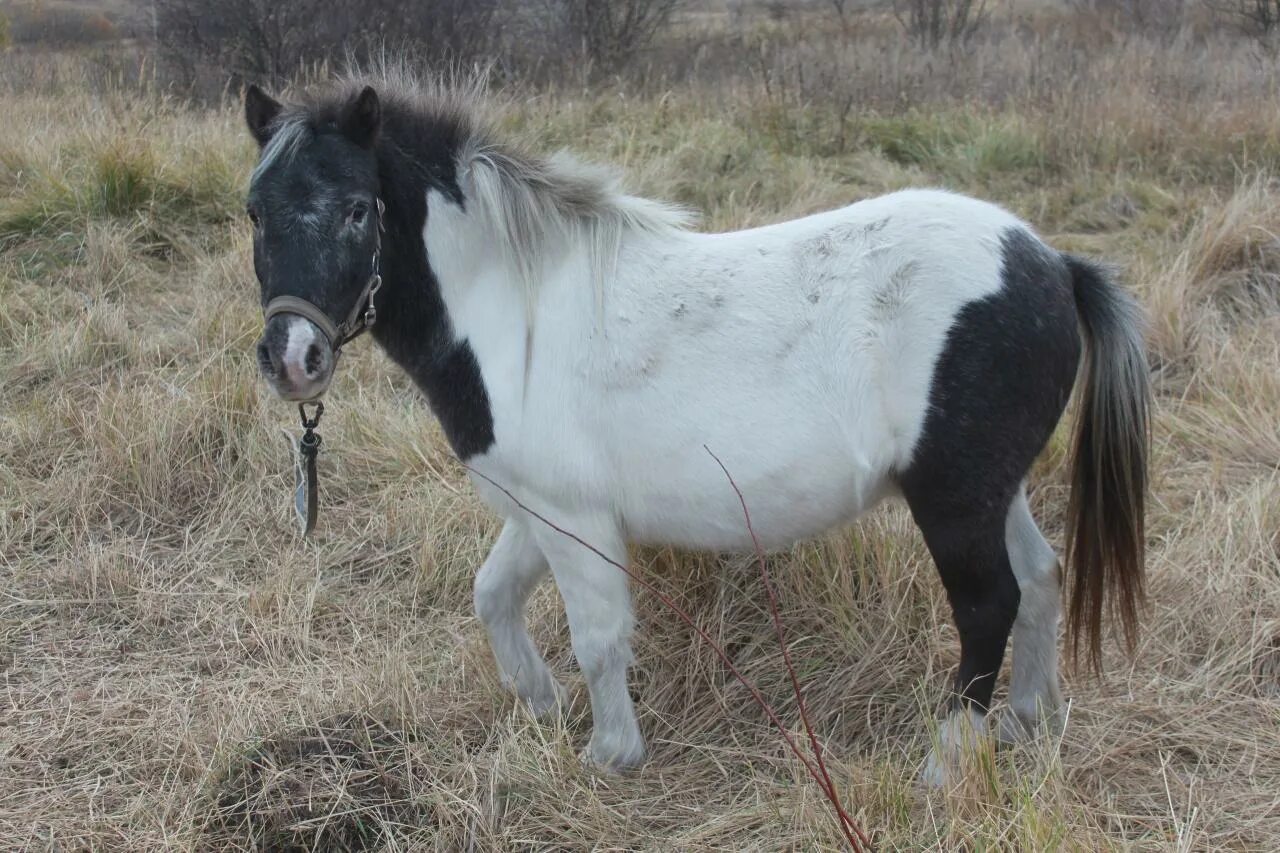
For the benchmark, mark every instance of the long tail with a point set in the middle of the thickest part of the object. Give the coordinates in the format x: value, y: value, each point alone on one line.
x: 1109, y: 477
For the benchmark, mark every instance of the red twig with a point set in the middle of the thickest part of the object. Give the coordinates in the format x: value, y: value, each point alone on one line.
x: 847, y: 824
x: 853, y: 834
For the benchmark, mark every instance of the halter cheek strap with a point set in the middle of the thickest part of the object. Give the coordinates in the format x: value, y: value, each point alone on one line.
x: 363, y: 314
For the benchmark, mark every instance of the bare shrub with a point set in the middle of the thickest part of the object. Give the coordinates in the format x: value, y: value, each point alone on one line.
x: 932, y: 23
x: 1134, y: 16
x: 607, y: 33
x: 847, y: 13
x: 61, y: 26
x: 1259, y: 18
x: 272, y: 40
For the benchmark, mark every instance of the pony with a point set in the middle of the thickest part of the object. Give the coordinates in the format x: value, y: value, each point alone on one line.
x: 584, y: 347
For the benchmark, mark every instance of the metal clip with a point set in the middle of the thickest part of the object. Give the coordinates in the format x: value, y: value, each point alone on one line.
x: 371, y: 310
x: 306, y: 478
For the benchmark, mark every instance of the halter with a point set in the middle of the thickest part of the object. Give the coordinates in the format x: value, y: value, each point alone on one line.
x: 362, y: 317
x: 363, y: 314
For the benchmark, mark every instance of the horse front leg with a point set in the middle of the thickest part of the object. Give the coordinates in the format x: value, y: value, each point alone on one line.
x: 598, y: 604
x: 503, y: 585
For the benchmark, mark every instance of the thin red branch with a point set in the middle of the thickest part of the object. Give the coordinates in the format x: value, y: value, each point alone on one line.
x: 847, y: 824
x: 820, y: 777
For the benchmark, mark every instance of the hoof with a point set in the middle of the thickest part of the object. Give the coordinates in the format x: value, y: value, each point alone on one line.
x: 938, y: 772
x: 613, y: 755
x: 1019, y: 726
x: 543, y: 695
x: 1013, y: 730
x: 547, y: 703
x: 959, y: 736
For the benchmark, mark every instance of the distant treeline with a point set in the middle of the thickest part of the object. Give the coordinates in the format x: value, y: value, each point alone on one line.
x: 206, y: 46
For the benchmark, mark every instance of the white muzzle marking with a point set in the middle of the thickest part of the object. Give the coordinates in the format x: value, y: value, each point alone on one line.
x: 308, y: 359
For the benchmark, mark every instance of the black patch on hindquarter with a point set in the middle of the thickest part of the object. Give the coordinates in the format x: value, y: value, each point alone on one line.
x: 998, y: 390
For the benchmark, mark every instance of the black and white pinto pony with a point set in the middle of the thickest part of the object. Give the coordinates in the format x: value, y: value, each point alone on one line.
x: 583, y: 347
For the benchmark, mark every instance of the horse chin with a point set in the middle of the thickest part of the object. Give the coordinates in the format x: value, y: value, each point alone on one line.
x: 311, y: 392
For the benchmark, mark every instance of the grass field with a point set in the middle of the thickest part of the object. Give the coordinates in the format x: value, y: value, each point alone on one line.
x: 178, y: 670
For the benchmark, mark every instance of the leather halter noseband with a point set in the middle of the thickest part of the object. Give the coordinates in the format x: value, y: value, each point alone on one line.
x: 363, y: 314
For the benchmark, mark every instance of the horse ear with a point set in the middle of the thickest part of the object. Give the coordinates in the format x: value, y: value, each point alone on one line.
x: 260, y: 111
x: 362, y: 117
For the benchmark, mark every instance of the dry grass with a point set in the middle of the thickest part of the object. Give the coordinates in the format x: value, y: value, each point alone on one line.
x: 179, y: 671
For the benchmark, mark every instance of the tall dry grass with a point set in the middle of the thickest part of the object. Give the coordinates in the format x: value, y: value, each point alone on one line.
x: 179, y: 671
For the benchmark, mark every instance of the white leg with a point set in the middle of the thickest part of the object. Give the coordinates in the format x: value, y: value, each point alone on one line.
x: 598, y: 604
x: 503, y: 585
x: 1034, y: 694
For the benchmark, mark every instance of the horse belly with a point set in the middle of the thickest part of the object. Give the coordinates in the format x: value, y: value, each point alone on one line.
x: 779, y: 520
x: 683, y: 497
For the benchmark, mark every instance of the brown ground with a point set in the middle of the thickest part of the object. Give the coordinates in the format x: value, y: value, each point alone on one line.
x: 177, y: 670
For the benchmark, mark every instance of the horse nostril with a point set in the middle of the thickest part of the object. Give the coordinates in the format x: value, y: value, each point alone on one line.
x: 265, y: 362
x: 312, y: 362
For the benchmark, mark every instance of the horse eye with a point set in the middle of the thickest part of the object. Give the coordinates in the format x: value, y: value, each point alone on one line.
x: 359, y: 212
x: 253, y: 217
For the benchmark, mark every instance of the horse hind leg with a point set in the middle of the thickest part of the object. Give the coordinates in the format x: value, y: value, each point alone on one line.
x: 1034, y: 694
x: 973, y: 561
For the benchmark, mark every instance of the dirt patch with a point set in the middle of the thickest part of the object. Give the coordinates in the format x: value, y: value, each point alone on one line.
x: 341, y: 784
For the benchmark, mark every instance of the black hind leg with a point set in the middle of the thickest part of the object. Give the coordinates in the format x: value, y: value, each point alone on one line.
x: 974, y: 565
x: 973, y: 562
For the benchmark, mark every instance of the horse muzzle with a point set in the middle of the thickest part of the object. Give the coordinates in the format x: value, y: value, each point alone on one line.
x: 295, y: 357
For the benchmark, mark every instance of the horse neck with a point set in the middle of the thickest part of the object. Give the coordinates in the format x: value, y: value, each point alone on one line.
x: 469, y: 260
x: 412, y: 320
x: 448, y: 317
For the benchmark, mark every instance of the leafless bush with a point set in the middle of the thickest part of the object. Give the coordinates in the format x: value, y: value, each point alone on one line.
x: 842, y: 8
x: 60, y: 26
x: 607, y: 33
x: 934, y: 22
x: 271, y: 40
x: 1259, y: 18
x: 850, y: 14
x: 1135, y: 16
